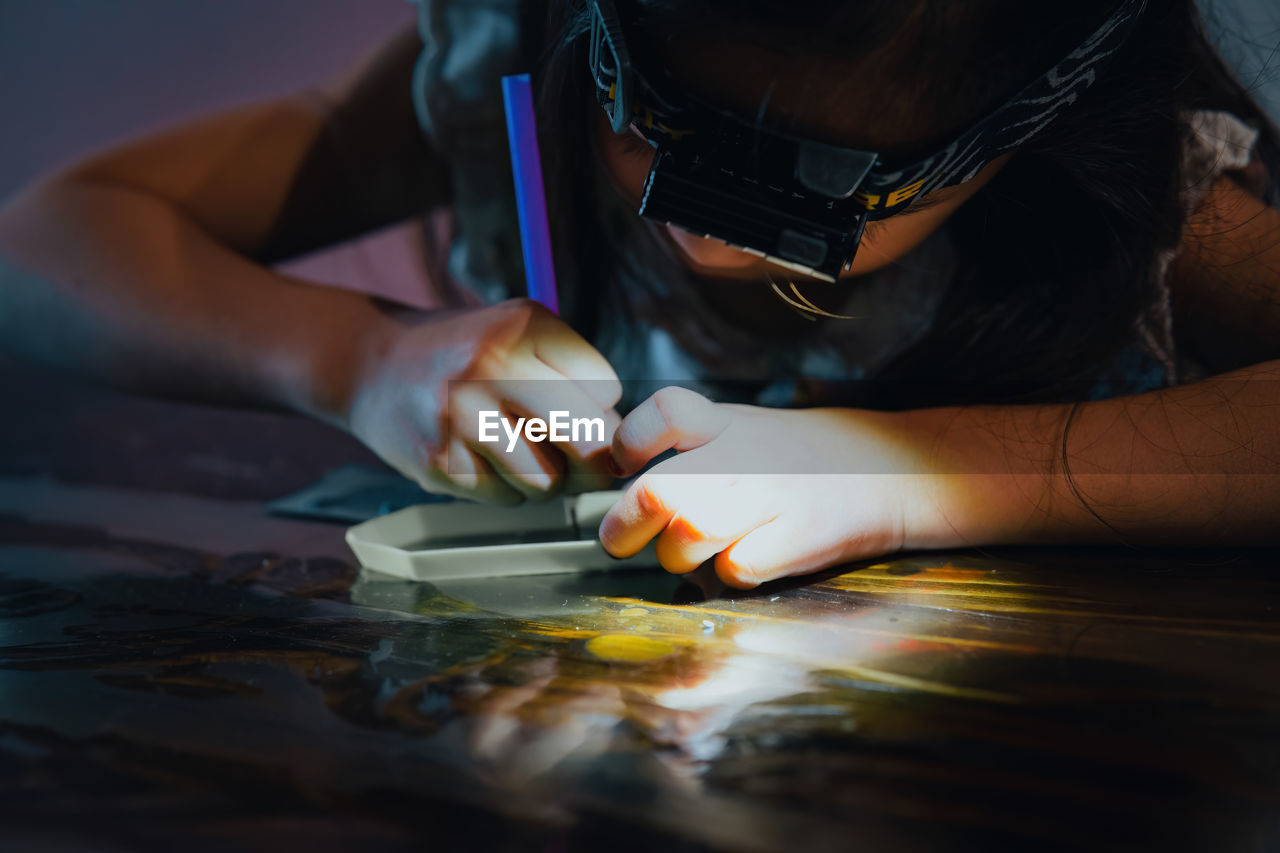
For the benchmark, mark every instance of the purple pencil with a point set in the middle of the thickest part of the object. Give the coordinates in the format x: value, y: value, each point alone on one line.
x: 531, y: 200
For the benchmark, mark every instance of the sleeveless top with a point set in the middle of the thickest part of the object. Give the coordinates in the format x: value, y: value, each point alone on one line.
x: 470, y: 44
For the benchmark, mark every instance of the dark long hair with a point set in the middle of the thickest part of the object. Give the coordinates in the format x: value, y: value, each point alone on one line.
x: 1055, y: 259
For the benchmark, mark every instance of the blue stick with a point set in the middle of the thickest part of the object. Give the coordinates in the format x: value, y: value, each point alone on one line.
x: 531, y: 200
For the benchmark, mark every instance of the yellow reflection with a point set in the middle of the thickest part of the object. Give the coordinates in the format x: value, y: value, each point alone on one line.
x: 628, y: 648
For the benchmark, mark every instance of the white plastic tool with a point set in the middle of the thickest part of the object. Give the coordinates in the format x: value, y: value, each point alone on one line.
x: 465, y: 540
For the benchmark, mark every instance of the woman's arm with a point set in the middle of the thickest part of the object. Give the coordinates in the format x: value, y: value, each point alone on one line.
x: 1194, y: 464
x: 769, y: 493
x: 144, y: 266
x: 1197, y: 464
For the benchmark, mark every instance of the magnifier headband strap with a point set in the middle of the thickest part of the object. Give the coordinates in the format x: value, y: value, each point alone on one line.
x: 1013, y: 124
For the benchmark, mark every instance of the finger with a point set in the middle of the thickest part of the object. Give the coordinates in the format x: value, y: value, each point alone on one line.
x: 531, y: 469
x: 562, y: 349
x: 671, y: 418
x: 709, y: 520
x: 586, y: 427
x: 640, y: 514
x: 464, y: 474
x: 774, y: 550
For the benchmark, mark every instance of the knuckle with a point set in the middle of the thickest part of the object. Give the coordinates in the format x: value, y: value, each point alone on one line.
x: 649, y: 498
x: 692, y: 531
x: 489, y: 360
x: 521, y: 311
x: 668, y: 401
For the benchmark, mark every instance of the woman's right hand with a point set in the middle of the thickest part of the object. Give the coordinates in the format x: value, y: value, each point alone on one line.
x: 418, y: 405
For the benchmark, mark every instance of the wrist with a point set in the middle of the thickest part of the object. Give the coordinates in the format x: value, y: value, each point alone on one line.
x: 987, y: 475
x: 349, y: 353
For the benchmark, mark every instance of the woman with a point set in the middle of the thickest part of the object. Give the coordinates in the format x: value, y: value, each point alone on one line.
x: 987, y: 311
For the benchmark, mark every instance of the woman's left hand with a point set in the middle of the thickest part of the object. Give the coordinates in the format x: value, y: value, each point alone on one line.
x: 766, y: 493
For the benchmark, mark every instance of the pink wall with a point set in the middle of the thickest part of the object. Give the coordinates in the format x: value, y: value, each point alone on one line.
x: 76, y: 75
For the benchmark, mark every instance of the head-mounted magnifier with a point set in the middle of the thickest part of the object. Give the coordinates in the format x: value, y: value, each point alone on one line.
x: 801, y: 203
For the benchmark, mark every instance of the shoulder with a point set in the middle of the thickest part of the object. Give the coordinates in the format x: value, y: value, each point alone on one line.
x: 1226, y: 278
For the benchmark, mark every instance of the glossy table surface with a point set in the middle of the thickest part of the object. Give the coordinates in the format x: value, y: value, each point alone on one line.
x: 178, y: 669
